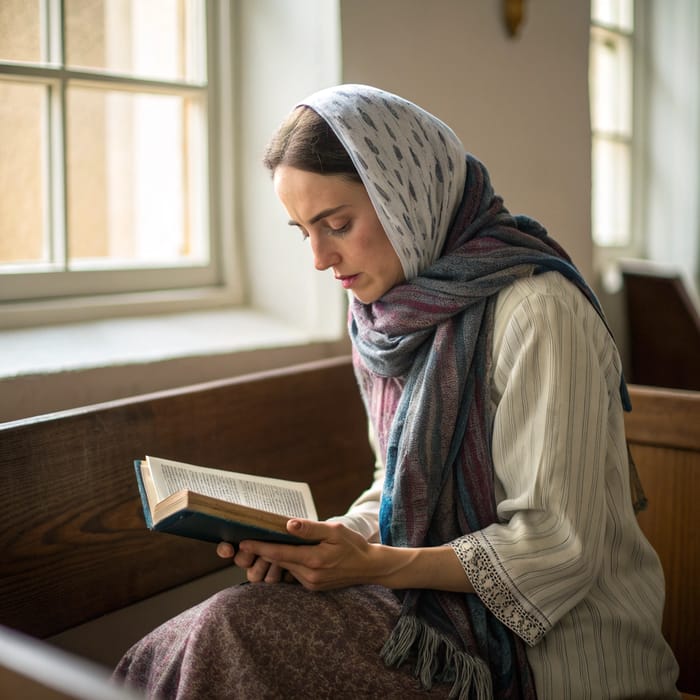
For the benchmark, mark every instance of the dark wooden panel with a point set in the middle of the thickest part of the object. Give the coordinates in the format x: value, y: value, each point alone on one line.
x: 664, y: 435
x: 663, y: 328
x: 72, y: 537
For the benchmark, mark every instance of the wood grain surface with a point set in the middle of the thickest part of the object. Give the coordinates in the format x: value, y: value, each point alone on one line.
x: 73, y: 541
x: 663, y: 430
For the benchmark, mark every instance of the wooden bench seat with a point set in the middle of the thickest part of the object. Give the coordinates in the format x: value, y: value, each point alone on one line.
x: 73, y: 541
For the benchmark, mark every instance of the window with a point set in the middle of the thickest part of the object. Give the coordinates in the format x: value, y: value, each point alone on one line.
x: 612, y: 120
x: 105, y: 124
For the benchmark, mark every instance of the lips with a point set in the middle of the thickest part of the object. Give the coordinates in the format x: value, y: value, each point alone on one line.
x: 347, y: 280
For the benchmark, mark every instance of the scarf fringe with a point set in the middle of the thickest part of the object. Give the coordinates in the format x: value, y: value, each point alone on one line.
x: 437, y: 659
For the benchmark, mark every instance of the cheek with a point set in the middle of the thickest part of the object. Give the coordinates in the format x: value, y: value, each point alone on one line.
x: 393, y: 267
x: 377, y: 253
x: 369, y: 246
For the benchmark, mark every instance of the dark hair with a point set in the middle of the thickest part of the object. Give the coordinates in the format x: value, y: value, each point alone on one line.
x: 306, y: 141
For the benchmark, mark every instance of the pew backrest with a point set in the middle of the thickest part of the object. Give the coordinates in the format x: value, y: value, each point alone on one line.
x: 72, y: 535
x: 663, y: 430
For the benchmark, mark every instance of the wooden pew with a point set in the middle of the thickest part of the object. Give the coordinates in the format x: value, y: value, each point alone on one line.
x: 74, y: 545
x: 72, y: 536
x: 663, y: 318
x: 663, y: 430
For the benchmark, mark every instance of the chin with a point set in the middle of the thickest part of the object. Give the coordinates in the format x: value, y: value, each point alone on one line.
x: 365, y: 298
x: 369, y: 296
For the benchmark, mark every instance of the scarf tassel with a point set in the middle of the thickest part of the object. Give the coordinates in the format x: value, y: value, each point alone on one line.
x: 464, y: 670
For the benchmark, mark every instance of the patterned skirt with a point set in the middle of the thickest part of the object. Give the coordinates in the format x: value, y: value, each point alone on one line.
x: 275, y: 641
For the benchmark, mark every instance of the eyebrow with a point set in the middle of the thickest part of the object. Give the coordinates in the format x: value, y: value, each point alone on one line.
x: 321, y: 215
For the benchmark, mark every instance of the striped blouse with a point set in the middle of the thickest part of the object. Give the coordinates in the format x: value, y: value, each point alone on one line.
x: 566, y: 567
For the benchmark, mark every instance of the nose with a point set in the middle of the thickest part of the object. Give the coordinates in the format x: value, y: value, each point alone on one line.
x: 325, y: 251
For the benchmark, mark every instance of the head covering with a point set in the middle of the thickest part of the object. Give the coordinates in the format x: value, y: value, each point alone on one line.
x: 422, y: 355
x: 410, y: 162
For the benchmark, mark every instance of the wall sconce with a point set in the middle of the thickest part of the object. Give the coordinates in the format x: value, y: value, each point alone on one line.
x: 513, y: 14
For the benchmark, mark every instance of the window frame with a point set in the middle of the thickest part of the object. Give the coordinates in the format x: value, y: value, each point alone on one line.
x: 29, y: 298
x: 605, y: 255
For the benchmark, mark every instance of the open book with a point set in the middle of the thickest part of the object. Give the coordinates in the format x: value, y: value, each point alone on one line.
x: 220, y: 506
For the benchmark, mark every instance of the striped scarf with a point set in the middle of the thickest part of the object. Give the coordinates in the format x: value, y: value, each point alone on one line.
x: 422, y: 357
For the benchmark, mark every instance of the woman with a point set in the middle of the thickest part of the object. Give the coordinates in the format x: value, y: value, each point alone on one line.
x: 497, y: 554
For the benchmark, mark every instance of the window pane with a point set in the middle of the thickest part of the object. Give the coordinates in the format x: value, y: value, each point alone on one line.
x: 160, y: 39
x: 614, y: 13
x: 132, y: 196
x: 611, y: 82
x: 20, y: 30
x: 22, y: 208
x: 611, y: 193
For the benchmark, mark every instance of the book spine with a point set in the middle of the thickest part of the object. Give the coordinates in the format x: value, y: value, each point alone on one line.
x: 142, y: 493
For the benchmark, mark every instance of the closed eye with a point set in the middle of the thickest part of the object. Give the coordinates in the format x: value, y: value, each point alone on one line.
x: 329, y: 230
x: 340, y: 231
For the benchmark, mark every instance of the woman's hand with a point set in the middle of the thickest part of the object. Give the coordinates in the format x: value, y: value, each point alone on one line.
x: 341, y: 557
x: 344, y: 558
x: 257, y: 570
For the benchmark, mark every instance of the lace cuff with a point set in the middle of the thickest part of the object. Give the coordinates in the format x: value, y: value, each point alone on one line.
x: 494, y: 592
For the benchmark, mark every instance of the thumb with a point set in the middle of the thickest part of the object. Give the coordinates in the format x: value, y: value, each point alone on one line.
x: 309, y: 529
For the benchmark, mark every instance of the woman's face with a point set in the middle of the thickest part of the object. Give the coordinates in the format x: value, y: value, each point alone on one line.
x: 337, y: 217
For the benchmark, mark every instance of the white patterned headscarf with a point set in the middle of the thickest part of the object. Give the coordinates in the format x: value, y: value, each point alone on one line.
x: 411, y: 163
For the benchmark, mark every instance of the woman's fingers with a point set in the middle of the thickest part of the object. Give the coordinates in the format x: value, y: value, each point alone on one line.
x: 313, y: 530
x: 257, y: 569
x: 225, y: 550
x: 263, y: 571
x: 255, y: 573
x: 244, y: 559
x: 274, y: 574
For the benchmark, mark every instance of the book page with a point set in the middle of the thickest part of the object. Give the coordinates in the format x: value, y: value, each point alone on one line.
x: 289, y: 498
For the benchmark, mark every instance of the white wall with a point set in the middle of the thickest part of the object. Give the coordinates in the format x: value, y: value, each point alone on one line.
x: 519, y: 105
x: 288, y: 50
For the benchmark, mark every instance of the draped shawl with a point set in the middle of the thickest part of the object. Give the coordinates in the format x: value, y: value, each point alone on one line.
x: 422, y: 358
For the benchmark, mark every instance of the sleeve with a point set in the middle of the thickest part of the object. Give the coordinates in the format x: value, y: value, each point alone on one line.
x: 549, y: 443
x: 363, y: 514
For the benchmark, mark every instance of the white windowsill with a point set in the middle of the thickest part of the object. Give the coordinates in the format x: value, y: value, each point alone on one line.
x: 79, y: 346
x: 53, y: 368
